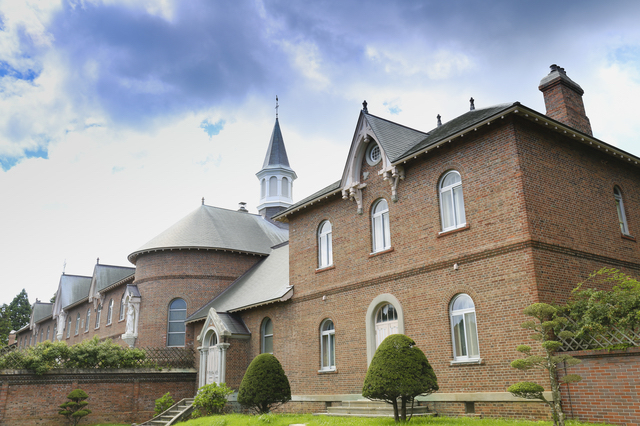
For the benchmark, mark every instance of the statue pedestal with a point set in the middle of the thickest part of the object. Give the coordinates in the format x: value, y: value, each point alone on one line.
x: 130, y: 339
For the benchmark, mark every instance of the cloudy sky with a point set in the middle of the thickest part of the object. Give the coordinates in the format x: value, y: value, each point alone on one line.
x: 118, y: 116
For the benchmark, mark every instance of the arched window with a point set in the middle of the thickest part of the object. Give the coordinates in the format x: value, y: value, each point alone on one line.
x: 98, y: 313
x: 86, y: 324
x: 77, y: 323
x: 177, y: 328
x: 263, y: 188
x: 622, y: 217
x: 451, y: 202
x: 285, y: 187
x: 386, y: 322
x: 110, y: 311
x: 325, y: 248
x: 463, y: 328
x: 55, y: 332
x: 380, y: 226
x: 273, y: 186
x: 48, y: 329
x: 328, y: 345
x: 41, y: 335
x: 213, y: 339
x: 122, y: 307
x: 267, y: 336
x: 69, y: 327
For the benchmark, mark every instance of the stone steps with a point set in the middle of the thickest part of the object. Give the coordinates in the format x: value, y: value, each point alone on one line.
x: 173, y: 415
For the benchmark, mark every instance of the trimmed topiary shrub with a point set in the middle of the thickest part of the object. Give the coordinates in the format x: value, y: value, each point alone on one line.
x: 399, y: 370
x: 264, y: 385
x: 163, y: 404
x: 212, y: 398
x: 74, y: 409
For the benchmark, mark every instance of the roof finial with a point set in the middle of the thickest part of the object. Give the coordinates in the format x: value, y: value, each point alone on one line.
x: 439, y: 121
x: 364, y: 107
x: 203, y: 201
x: 64, y: 266
x: 98, y: 261
x: 277, y: 106
x: 471, y: 106
x: 242, y: 207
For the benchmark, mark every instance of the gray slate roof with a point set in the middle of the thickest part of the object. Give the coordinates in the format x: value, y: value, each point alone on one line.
x: 41, y: 311
x: 395, y: 138
x: 72, y: 289
x: 266, y: 281
x: 454, y: 126
x: 318, y: 194
x: 215, y: 228
x: 276, y: 153
x: 105, y: 275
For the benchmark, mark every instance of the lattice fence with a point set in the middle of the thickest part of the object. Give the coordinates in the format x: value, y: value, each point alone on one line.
x: 613, y: 336
x: 13, y: 358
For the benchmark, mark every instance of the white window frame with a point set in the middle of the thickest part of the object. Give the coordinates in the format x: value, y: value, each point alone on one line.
x: 48, y: 330
x: 77, y: 324
x: 325, y: 244
x: 86, y: 325
x: 122, y: 307
x: 328, y: 349
x: 110, y: 312
x: 169, y: 321
x: 55, y: 332
x: 380, y: 231
x: 463, y: 313
x: 264, y: 336
x: 98, y: 314
x: 622, y: 217
x: 69, y: 327
x: 447, y: 192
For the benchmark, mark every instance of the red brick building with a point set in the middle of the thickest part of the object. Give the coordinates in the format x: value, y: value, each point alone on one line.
x: 443, y: 235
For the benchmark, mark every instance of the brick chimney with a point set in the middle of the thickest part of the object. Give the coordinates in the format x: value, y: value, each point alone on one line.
x: 563, y: 99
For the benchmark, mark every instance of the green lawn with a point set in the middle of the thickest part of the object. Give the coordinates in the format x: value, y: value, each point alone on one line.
x: 310, y: 420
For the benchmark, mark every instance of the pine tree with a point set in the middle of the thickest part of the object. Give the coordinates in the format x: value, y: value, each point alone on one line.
x: 20, y: 310
x: 5, y: 325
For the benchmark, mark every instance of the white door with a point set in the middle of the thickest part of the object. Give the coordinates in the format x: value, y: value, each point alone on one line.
x: 386, y: 323
x: 213, y: 361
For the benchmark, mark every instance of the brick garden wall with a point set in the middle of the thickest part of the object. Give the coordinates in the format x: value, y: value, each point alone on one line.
x: 117, y: 396
x: 610, y: 387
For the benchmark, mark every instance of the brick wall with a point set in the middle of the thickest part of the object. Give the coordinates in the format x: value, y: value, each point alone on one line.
x: 610, y: 387
x: 117, y: 396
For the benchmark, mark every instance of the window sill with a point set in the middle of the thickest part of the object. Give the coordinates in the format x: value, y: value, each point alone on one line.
x: 461, y: 363
x: 333, y: 371
x: 325, y: 268
x: 452, y: 231
x: 627, y: 237
x: 377, y: 253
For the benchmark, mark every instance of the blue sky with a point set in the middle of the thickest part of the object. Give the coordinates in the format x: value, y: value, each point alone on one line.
x: 118, y: 116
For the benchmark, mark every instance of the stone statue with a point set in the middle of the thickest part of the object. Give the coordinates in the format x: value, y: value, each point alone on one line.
x: 130, y: 318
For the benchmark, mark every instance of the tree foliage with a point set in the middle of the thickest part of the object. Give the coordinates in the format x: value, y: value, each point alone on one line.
x: 399, y: 371
x: 20, y: 309
x: 212, y: 398
x: 5, y: 325
x: 596, y: 309
x: 264, y: 385
x: 92, y: 353
x: 163, y: 404
x: 546, y: 328
x: 74, y: 409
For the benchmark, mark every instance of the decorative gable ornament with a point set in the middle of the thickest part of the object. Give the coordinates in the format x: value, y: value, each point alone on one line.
x: 214, y: 322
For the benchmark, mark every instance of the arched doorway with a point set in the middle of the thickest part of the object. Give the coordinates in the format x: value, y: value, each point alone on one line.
x: 386, y: 322
x: 213, y: 359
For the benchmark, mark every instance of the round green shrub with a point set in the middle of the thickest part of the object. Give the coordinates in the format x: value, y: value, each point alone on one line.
x: 264, y: 385
x: 399, y: 370
x: 163, y: 404
x: 527, y: 390
x: 212, y: 398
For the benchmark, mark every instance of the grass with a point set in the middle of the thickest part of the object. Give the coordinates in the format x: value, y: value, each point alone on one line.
x: 310, y: 420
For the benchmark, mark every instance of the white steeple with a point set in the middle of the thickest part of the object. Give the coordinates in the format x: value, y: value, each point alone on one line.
x: 276, y: 177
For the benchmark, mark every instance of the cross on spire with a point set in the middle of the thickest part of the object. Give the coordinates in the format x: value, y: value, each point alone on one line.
x: 277, y: 106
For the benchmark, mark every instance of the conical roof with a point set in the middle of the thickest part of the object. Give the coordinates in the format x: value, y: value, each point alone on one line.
x: 276, y: 153
x: 215, y: 228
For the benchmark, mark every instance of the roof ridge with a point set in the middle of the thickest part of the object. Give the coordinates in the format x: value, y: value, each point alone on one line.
x: 393, y: 122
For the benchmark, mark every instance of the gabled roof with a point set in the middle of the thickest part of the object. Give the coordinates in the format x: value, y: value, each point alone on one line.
x: 72, y: 289
x: 266, y: 282
x: 106, y: 275
x: 213, y: 228
x: 41, y: 311
x: 276, y: 153
x: 395, y: 138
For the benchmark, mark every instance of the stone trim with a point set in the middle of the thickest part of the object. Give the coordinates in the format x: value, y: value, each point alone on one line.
x: 187, y: 277
x: 604, y: 353
x: 14, y: 377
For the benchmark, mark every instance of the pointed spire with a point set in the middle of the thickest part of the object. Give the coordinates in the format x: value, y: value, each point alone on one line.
x: 276, y: 153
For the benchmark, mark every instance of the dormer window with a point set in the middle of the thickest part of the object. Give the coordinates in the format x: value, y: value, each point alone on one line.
x: 373, y: 154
